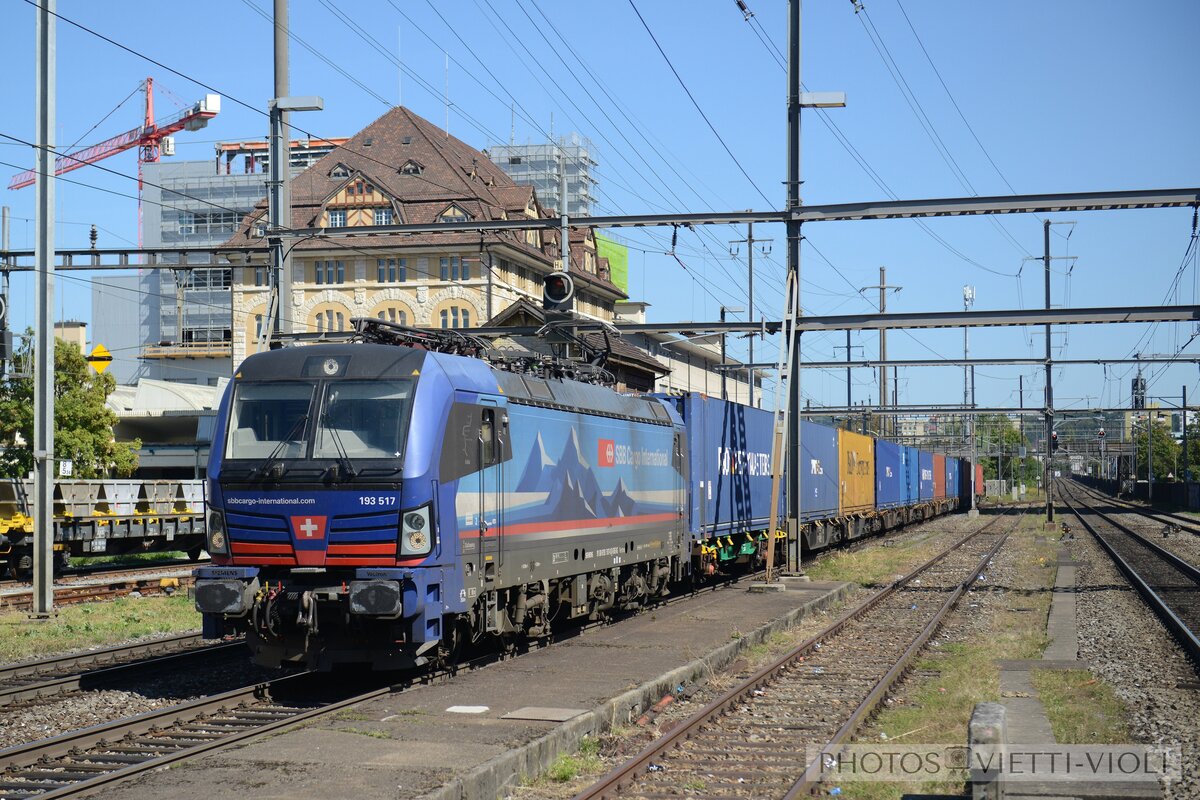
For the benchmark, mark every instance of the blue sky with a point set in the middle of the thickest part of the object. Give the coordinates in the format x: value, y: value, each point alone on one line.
x: 1066, y: 96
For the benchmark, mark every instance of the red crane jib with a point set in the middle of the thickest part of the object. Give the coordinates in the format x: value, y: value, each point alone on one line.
x: 135, y: 138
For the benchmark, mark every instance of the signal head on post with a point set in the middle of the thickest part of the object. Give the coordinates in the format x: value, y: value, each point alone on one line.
x: 1053, y: 441
x: 558, y: 292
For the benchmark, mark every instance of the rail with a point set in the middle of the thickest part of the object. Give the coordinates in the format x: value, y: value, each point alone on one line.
x: 618, y: 781
x: 1160, y: 573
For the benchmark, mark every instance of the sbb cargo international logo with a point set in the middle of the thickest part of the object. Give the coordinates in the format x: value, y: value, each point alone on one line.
x: 607, y: 455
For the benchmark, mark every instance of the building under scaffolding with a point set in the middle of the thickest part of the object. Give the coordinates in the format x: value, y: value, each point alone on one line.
x: 544, y: 167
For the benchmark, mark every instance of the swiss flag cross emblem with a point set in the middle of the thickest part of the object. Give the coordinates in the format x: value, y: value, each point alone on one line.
x: 308, y: 528
x: 607, y: 454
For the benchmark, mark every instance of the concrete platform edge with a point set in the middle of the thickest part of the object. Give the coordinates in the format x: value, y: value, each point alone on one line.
x: 488, y: 780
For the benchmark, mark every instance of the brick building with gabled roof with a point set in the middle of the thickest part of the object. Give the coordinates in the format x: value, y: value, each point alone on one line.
x: 403, y: 169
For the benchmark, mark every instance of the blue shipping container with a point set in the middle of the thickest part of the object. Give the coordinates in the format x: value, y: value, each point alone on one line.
x: 926, y: 464
x: 912, y: 475
x: 729, y: 448
x: 951, y: 477
x: 820, y: 475
x: 890, y: 475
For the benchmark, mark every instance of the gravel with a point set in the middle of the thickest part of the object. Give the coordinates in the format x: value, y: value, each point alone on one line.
x: 41, y: 719
x: 1129, y: 648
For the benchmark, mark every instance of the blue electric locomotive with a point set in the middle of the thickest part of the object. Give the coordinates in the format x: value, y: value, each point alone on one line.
x: 385, y: 504
x: 380, y: 503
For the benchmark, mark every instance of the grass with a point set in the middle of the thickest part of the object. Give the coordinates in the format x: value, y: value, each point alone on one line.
x: 585, y: 761
x: 374, y: 734
x: 876, y: 565
x: 88, y: 625
x: 937, y: 708
x: 128, y: 559
x: 1082, y: 709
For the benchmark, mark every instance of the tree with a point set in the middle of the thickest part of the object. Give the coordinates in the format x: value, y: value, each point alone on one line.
x: 82, y: 422
x: 1166, y: 450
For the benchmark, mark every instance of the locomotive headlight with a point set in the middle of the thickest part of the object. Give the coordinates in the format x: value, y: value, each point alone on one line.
x: 416, y: 532
x: 218, y: 539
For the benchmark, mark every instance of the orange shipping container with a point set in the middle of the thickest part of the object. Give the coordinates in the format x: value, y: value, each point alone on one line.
x: 979, y: 480
x: 939, y: 476
x: 857, y: 456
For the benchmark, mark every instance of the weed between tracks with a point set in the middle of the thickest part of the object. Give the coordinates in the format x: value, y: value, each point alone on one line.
x: 1003, y: 618
x: 1082, y: 708
x: 99, y: 624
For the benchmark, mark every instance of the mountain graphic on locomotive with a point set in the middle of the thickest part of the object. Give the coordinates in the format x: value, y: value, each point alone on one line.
x: 384, y: 504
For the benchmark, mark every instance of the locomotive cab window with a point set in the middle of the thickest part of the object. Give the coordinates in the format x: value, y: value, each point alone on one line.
x: 269, y: 419
x: 362, y: 419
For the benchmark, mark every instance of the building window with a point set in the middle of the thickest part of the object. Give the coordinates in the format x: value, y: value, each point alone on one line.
x: 330, y: 321
x: 383, y: 216
x: 456, y: 317
x: 260, y: 276
x: 411, y: 167
x: 453, y: 214
x: 337, y: 219
x: 392, y: 270
x: 258, y: 327
x: 329, y: 272
x: 396, y: 315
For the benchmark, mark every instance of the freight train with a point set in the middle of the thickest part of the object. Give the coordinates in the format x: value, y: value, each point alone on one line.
x: 388, y: 504
x: 103, y: 517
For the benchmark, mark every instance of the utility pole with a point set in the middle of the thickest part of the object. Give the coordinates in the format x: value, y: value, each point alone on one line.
x: 749, y: 242
x: 1186, y: 463
x: 883, y: 287
x: 6, y: 340
x: 969, y: 386
x: 43, y: 390
x: 279, y: 202
x: 280, y: 208
x: 794, y: 233
x: 1047, y: 472
x: 724, y: 372
x: 849, y: 385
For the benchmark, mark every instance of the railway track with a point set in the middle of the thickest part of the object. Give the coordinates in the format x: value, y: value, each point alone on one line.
x: 751, y: 742
x: 102, y: 585
x: 94, y: 669
x: 1184, y: 521
x: 97, y: 757
x: 1167, y: 583
x: 92, y: 759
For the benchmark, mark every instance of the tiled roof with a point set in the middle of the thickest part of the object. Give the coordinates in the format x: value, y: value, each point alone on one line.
x: 451, y: 172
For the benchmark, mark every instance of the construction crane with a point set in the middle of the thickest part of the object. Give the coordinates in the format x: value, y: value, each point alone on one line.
x: 152, y: 139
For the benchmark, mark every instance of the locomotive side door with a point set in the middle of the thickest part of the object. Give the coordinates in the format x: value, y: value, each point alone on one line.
x: 492, y: 434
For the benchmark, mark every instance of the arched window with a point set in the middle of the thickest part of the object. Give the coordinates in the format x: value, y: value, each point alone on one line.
x: 329, y: 318
x: 393, y: 311
x: 455, y: 317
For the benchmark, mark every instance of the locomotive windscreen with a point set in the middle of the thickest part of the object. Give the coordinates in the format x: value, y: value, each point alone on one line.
x: 269, y: 418
x: 327, y: 419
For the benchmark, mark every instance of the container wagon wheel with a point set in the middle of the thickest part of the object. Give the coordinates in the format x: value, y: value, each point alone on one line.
x: 20, y: 564
x: 194, y: 553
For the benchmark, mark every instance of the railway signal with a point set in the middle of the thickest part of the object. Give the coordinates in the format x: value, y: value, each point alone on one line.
x: 1053, y: 441
x: 558, y: 292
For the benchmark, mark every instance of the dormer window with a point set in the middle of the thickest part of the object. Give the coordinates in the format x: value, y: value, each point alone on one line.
x: 411, y: 167
x: 340, y: 171
x: 453, y: 214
